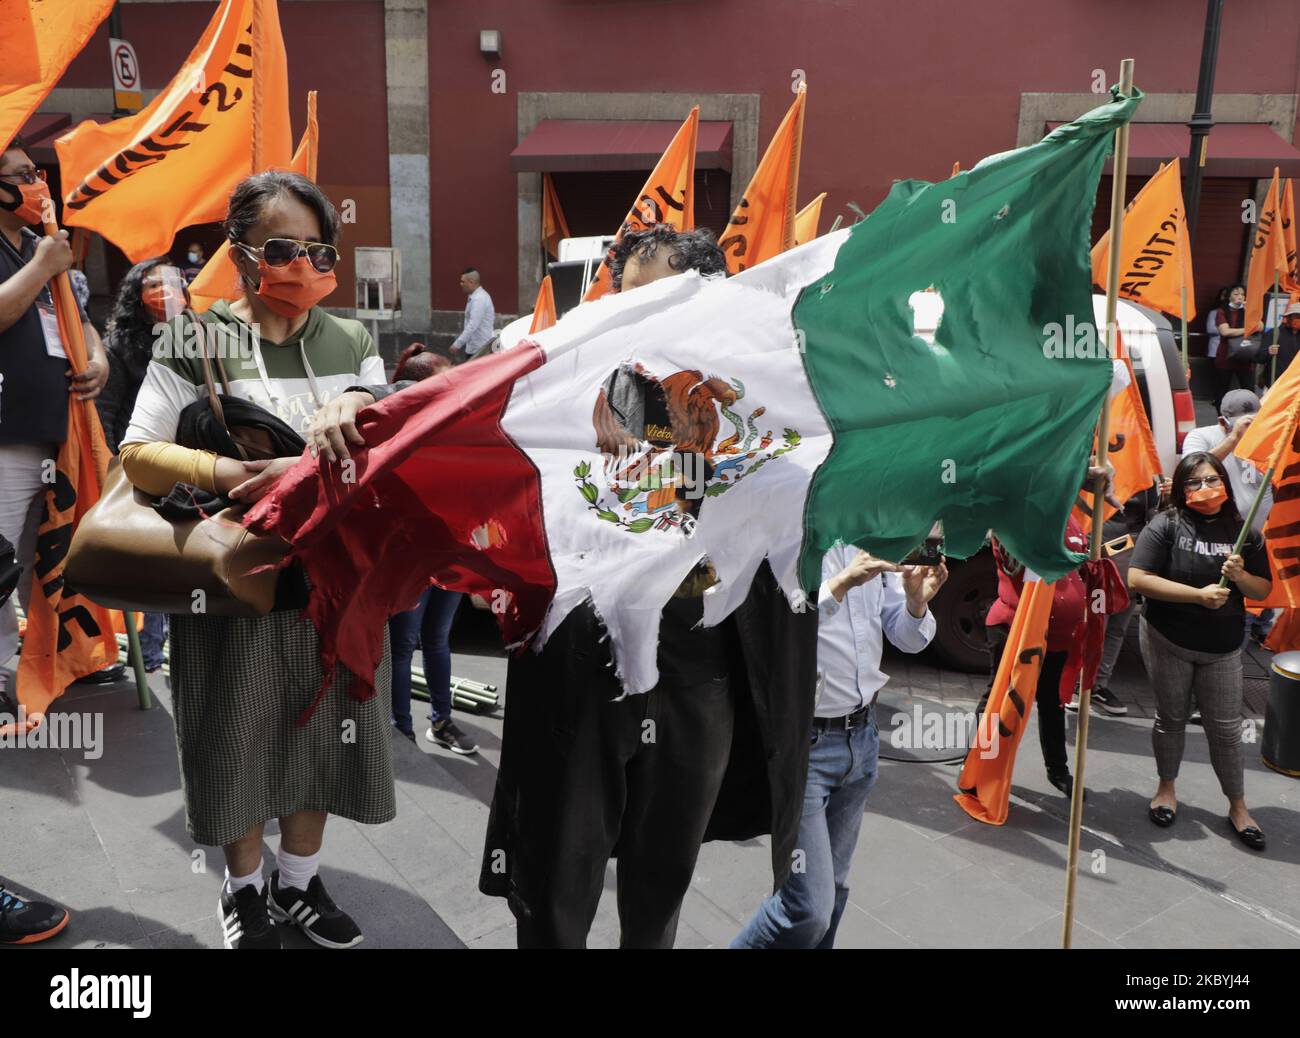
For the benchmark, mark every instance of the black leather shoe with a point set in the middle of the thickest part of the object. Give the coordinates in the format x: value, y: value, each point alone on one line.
x: 1064, y: 781
x: 1252, y: 836
x: 1162, y: 816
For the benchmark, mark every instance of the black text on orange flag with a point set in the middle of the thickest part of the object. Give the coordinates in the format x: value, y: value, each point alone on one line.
x: 985, y: 782
x: 1272, y: 441
x: 139, y: 180
x: 1267, y: 256
x: 68, y: 636
x: 1291, y: 279
x: 1156, y: 263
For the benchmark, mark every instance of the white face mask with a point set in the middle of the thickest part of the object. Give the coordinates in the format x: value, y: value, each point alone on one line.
x: 193, y: 257
x: 1235, y: 306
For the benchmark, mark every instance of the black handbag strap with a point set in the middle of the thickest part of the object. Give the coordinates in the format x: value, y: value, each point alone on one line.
x: 213, y: 397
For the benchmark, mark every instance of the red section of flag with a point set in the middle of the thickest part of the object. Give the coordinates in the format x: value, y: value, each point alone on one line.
x: 440, y: 492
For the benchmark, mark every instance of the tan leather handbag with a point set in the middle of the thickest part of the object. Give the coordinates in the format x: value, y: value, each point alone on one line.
x: 125, y: 555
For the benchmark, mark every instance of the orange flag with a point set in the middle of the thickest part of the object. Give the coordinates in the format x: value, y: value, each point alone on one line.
x: 1157, y: 260
x: 544, y: 308
x: 763, y: 224
x: 667, y: 197
x: 218, y: 279
x: 985, y: 782
x: 1267, y: 256
x: 38, y: 40
x: 956, y: 168
x: 807, y: 219
x: 139, y: 180
x: 1270, y: 443
x: 554, y: 227
x: 1291, y: 279
x: 67, y: 636
x: 1132, y: 446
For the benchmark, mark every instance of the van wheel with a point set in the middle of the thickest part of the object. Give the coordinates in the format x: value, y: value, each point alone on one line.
x: 959, y: 611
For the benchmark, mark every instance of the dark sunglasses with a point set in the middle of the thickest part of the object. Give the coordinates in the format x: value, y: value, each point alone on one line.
x: 280, y: 252
x: 30, y: 175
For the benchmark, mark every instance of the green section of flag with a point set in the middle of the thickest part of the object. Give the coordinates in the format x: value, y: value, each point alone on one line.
x: 990, y: 427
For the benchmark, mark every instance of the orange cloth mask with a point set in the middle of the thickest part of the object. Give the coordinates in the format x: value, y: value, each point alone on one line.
x: 295, y: 288
x: 1207, y: 500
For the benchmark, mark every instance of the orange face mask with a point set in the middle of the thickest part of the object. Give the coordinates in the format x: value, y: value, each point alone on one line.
x: 1207, y: 500
x: 295, y: 288
x: 35, y: 199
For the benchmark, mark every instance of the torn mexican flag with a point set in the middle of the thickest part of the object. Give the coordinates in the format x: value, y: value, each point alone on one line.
x: 810, y: 395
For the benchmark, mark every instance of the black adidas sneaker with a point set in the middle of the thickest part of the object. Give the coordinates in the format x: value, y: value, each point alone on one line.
x: 244, y: 920
x: 313, y: 912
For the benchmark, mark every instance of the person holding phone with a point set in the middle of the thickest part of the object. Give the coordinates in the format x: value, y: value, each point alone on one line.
x: 862, y: 600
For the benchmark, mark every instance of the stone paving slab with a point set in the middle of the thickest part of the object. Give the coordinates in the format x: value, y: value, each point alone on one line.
x: 107, y: 837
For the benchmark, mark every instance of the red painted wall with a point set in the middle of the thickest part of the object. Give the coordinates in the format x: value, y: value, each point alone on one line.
x: 895, y: 90
x: 334, y: 48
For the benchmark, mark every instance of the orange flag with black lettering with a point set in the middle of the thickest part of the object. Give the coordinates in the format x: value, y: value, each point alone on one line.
x: 544, y: 308
x: 139, y: 180
x: 985, y: 782
x: 762, y: 225
x: 1291, y: 279
x: 667, y: 197
x: 38, y: 40
x: 807, y: 219
x: 554, y: 227
x: 1156, y: 265
x: 219, y: 279
x: 68, y: 637
x: 1267, y: 256
x: 1271, y: 443
x: 1131, y: 449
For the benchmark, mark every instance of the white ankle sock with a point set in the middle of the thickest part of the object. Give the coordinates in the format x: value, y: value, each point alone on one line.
x: 254, y: 879
x: 296, y: 870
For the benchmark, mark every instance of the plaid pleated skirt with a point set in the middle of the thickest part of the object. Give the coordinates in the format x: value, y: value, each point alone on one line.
x: 239, y: 686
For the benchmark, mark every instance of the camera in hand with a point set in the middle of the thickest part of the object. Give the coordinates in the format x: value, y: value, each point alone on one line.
x: 930, y: 552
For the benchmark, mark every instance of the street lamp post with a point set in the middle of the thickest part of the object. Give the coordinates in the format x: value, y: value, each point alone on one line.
x: 1201, y: 121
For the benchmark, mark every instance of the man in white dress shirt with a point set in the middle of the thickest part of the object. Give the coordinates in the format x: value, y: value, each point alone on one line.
x: 480, y: 317
x: 861, y: 601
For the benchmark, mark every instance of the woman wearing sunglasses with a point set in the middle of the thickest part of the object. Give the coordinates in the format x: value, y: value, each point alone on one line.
x: 1191, y: 629
x: 240, y: 684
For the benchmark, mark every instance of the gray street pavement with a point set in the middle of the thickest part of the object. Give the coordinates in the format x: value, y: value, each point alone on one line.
x: 107, y: 837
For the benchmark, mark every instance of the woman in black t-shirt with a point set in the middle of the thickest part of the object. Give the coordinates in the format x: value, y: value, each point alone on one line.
x: 1192, y: 629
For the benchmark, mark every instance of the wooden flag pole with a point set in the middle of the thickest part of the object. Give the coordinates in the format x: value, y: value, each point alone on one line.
x: 257, y: 149
x: 1098, y: 487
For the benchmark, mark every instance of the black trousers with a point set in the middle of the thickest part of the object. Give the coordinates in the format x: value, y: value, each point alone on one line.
x: 1223, y: 379
x: 1051, y: 714
x: 635, y: 778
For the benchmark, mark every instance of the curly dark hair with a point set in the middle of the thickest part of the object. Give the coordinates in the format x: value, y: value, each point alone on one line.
x: 130, y: 325
x: 692, y: 250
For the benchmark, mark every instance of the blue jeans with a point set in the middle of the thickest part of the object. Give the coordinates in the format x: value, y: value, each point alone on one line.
x: 429, y: 625
x: 806, y: 911
x: 152, y: 636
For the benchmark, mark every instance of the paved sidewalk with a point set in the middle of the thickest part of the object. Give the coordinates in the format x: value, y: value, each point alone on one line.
x: 107, y: 837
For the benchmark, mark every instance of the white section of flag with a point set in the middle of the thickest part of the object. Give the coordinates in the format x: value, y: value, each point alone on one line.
x: 738, y: 330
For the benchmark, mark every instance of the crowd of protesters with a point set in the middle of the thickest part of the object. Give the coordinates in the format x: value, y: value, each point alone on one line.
x: 766, y: 723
